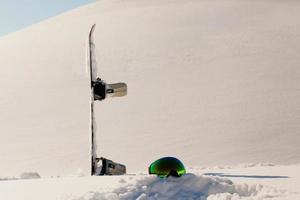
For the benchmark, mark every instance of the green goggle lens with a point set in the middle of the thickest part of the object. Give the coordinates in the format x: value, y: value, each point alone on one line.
x: 167, y: 166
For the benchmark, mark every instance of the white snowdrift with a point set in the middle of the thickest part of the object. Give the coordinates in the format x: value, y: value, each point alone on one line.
x: 190, y: 187
x: 223, y: 183
x: 30, y: 175
x: 24, y: 175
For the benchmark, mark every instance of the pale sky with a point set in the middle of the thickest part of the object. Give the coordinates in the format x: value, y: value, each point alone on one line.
x: 17, y: 14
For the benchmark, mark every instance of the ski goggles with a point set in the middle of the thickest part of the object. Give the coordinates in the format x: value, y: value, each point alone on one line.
x: 167, y: 166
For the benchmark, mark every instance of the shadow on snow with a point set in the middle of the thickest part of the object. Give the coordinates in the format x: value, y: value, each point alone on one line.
x: 242, y: 176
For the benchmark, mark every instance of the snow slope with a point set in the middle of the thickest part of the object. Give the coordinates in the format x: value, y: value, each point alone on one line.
x: 210, y: 82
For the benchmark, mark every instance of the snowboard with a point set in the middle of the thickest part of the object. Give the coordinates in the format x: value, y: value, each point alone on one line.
x: 93, y: 77
x: 99, y: 91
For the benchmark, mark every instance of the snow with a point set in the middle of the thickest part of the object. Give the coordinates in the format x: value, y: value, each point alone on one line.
x: 30, y: 175
x: 24, y: 175
x: 234, y: 183
x: 189, y: 186
x: 213, y: 83
x: 210, y: 83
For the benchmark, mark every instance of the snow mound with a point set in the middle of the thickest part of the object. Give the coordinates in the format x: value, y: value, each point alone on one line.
x: 189, y: 186
x: 24, y: 175
x: 8, y: 178
x: 30, y: 175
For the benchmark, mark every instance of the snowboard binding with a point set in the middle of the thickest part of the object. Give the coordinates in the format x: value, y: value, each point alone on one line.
x: 102, y: 90
x: 105, y: 166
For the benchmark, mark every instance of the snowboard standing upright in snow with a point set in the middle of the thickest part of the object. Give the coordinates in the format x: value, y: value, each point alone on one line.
x: 99, y: 91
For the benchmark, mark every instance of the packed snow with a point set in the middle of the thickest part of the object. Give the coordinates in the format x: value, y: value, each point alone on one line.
x: 213, y: 83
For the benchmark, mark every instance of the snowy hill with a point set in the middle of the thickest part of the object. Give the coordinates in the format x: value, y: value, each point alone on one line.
x: 210, y: 82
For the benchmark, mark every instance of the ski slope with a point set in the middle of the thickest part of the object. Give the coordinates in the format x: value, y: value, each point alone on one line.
x: 209, y: 82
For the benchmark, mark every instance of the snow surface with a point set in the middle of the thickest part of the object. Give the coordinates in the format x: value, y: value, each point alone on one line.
x: 210, y: 82
x: 218, y: 183
x: 24, y: 175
